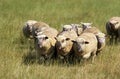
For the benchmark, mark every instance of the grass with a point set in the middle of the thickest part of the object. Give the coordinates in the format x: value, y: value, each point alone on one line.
x: 13, y: 46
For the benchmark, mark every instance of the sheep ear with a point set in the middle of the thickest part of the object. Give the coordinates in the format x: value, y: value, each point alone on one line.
x: 86, y: 42
x: 35, y: 36
x: 117, y: 22
x: 27, y: 25
x: 67, y: 39
x: 55, y: 38
x: 73, y: 41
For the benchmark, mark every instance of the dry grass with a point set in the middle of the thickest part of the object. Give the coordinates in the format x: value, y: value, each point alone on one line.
x: 14, y: 47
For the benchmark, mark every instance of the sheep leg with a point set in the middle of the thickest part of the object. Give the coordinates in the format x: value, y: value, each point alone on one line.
x: 119, y: 36
x: 76, y: 59
x: 111, y: 39
x: 93, y: 55
x: 116, y: 39
x: 41, y: 60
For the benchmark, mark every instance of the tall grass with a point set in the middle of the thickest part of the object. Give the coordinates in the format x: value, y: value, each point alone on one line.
x: 13, y: 46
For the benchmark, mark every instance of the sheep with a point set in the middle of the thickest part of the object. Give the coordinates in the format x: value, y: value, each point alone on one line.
x: 45, y: 43
x: 99, y: 35
x: 119, y: 33
x: 67, y: 27
x: 85, y: 46
x: 75, y: 27
x: 38, y: 27
x: 64, y: 44
x: 112, y: 27
x: 27, y: 28
x: 30, y: 26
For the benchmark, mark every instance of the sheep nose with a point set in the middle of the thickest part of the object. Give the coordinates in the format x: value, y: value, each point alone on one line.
x: 59, y: 48
x: 58, y: 45
x: 79, y: 49
x: 40, y: 44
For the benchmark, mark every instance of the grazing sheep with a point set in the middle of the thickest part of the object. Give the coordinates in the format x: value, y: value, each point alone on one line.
x: 75, y: 27
x: 85, y: 46
x: 64, y: 44
x: 99, y: 35
x: 45, y: 43
x: 27, y: 28
x: 112, y: 27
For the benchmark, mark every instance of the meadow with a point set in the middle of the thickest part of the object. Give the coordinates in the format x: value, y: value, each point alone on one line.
x: 14, y: 46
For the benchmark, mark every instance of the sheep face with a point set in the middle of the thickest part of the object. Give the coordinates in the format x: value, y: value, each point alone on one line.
x: 80, y: 44
x: 86, y: 25
x: 114, y: 24
x: 29, y: 24
x: 117, y: 25
x: 101, y: 37
x: 62, y: 42
x: 101, y: 40
x: 27, y: 29
x: 42, y: 41
x: 67, y: 27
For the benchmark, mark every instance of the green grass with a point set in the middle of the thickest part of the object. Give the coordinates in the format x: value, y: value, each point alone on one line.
x: 13, y: 46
